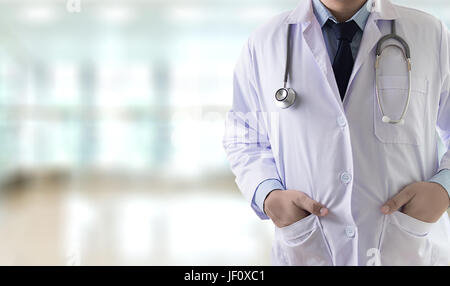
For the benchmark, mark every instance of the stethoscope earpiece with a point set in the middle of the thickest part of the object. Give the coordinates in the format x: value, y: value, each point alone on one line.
x: 387, y: 119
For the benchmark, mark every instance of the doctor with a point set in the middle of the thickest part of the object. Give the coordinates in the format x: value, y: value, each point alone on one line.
x: 338, y: 147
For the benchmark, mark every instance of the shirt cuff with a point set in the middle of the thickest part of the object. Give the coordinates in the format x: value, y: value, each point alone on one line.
x: 443, y: 179
x: 263, y: 190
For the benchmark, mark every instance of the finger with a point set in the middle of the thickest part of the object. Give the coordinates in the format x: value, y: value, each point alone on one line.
x: 397, y: 201
x: 304, y: 202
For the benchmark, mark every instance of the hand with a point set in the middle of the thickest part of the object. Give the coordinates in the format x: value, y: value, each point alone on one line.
x: 425, y: 201
x: 287, y: 207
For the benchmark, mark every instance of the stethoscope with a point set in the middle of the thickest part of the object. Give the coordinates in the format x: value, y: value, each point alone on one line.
x: 285, y: 97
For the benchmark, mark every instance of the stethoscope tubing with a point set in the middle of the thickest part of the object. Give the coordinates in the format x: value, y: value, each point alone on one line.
x: 407, y: 56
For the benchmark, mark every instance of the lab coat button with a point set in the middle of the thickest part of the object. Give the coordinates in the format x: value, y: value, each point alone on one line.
x: 346, y: 178
x: 350, y: 231
x: 341, y: 121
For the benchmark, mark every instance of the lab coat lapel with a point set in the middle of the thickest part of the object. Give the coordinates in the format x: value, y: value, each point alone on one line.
x: 371, y: 36
x: 312, y: 34
x: 314, y: 39
x: 381, y: 10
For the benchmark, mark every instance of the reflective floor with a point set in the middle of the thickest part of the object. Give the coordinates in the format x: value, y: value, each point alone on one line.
x: 115, y: 224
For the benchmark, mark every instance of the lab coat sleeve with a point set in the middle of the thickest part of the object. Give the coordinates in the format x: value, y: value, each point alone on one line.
x: 443, y: 120
x: 246, y: 140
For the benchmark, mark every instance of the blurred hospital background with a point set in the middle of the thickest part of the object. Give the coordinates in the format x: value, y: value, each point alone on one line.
x: 111, y: 121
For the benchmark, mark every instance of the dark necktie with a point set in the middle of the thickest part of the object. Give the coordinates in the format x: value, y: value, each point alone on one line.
x: 343, y: 61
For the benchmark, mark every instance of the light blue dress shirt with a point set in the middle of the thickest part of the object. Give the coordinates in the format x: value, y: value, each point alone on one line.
x: 331, y: 42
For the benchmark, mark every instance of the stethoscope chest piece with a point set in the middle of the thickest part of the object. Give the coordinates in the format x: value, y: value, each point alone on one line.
x: 285, y: 97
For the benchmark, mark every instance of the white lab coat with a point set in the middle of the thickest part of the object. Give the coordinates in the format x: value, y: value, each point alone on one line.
x: 341, y: 153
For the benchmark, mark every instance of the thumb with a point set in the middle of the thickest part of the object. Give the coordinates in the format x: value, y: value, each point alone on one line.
x: 397, y: 201
x: 301, y: 200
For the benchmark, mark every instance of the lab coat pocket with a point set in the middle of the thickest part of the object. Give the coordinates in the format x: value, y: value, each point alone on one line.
x: 405, y: 241
x: 303, y: 243
x: 393, y: 91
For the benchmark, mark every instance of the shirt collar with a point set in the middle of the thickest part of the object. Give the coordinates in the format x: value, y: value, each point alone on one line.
x: 323, y: 14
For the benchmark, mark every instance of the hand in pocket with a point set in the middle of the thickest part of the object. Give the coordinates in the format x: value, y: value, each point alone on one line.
x: 425, y: 201
x: 287, y: 207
